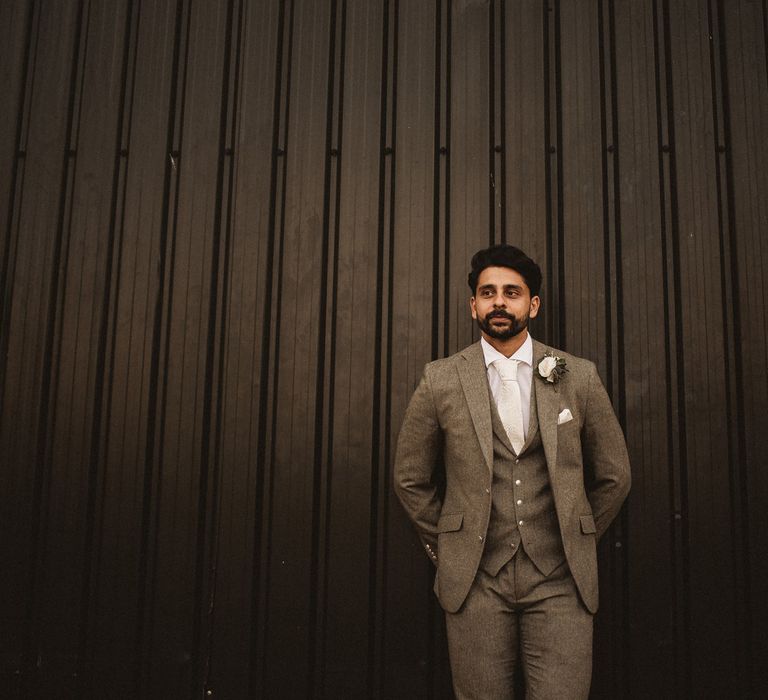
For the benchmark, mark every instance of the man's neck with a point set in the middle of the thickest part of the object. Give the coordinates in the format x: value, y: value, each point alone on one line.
x: 509, y: 346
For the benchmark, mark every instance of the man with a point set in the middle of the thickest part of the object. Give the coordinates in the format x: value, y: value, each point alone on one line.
x: 535, y: 469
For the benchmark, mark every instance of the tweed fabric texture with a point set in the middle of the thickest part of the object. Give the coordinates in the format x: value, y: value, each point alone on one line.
x: 520, y: 611
x: 448, y: 426
x: 522, y: 506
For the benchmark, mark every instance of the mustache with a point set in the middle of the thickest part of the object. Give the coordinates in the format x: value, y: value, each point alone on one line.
x: 499, y: 313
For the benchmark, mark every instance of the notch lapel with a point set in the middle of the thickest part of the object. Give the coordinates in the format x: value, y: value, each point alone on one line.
x: 533, y: 420
x: 547, y: 403
x: 474, y: 382
x: 498, y: 427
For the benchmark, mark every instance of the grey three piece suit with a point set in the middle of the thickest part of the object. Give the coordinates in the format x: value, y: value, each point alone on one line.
x: 514, y: 535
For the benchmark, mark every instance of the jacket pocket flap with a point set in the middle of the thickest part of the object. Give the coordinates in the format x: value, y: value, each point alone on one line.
x: 450, y: 522
x: 587, y: 524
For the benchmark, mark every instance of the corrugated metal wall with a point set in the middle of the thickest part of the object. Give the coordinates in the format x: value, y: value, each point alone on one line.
x: 232, y: 234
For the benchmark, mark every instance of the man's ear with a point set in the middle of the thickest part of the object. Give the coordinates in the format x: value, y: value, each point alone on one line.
x: 535, y: 306
x: 472, y: 307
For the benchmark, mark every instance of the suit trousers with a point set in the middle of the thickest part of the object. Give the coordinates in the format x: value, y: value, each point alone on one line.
x: 521, y: 611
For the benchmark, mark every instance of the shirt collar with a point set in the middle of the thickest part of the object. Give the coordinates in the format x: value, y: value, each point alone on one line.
x: 524, y: 352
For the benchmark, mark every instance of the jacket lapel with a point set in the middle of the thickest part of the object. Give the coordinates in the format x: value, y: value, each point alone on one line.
x: 474, y: 382
x: 533, y: 421
x: 498, y: 427
x: 547, y: 403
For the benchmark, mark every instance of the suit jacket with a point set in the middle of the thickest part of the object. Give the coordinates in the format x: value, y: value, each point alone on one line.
x: 447, y: 435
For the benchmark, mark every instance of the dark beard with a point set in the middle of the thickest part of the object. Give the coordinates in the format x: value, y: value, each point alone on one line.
x: 515, y: 327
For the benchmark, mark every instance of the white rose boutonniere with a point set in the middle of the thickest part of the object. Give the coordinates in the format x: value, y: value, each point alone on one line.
x: 551, y: 368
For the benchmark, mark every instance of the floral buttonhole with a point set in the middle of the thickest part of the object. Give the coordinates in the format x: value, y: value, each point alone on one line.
x: 551, y: 368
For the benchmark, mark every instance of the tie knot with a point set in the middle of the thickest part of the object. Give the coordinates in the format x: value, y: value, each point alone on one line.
x: 507, y: 369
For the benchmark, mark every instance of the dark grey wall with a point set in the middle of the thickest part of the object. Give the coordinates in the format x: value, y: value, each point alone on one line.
x: 232, y: 234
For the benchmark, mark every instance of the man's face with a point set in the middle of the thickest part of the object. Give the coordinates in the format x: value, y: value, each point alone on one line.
x: 502, y: 305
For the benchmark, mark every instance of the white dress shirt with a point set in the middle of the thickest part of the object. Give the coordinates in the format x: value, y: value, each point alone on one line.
x: 524, y: 374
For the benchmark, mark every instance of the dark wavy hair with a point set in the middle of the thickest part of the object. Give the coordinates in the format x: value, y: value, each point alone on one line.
x: 503, y: 255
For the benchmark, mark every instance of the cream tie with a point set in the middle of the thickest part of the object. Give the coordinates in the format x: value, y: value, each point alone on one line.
x: 509, y: 403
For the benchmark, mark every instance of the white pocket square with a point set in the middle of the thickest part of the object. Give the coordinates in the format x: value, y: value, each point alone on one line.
x: 565, y: 416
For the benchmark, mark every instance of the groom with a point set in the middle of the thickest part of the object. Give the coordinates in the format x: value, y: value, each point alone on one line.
x: 535, y: 469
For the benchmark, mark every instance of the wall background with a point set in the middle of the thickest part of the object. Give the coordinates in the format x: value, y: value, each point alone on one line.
x: 232, y: 234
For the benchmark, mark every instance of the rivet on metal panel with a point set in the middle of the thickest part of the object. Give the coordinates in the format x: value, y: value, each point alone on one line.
x: 387, y: 150
x: 552, y: 149
x: 443, y: 150
x: 334, y: 152
x: 497, y: 148
x: 665, y: 148
x: 618, y: 545
x: 228, y: 151
x: 280, y: 152
x: 610, y: 148
x: 678, y: 516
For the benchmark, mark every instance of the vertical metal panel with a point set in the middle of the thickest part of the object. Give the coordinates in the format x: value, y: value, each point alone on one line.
x: 583, y: 298
x: 118, y: 634
x: 524, y: 139
x: 351, y: 459
x: 268, y: 376
x: 413, y: 285
x: 743, y: 43
x: 705, y: 497
x: 550, y: 317
x: 300, y: 303
x: 76, y: 476
x: 236, y: 593
x: 16, y: 21
x: 37, y: 229
x: 16, y: 46
x: 643, y: 193
x: 471, y: 223
x: 182, y: 467
x: 232, y: 235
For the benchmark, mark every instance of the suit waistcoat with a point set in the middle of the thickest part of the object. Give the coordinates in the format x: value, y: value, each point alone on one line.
x: 522, y: 506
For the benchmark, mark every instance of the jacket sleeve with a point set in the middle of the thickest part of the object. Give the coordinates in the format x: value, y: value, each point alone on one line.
x: 606, y: 461
x: 419, y: 450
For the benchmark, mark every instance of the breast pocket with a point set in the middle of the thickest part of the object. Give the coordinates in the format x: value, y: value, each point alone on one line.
x: 569, y: 434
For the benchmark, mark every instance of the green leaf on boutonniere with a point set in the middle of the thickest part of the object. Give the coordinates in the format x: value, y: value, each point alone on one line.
x: 551, y: 368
